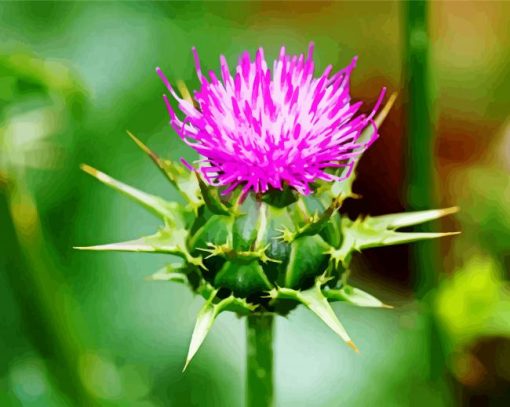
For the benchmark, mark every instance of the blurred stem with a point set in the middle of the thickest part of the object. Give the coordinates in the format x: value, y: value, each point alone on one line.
x: 420, y: 168
x: 259, y: 362
x: 420, y: 155
x: 42, y: 297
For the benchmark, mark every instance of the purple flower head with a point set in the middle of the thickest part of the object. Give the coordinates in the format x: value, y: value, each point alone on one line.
x: 264, y: 128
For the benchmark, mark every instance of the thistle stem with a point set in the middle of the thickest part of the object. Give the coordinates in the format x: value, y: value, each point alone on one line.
x: 259, y: 361
x: 420, y: 158
x: 420, y: 166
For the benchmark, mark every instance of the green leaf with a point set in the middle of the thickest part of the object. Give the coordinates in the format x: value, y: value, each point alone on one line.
x: 308, y: 259
x: 247, y: 223
x: 316, y: 223
x: 269, y: 231
x: 316, y: 302
x: 217, y: 230
x: 242, y: 279
x: 206, y: 317
x: 183, y: 180
x: 331, y: 232
x: 170, y: 211
x: 211, y: 197
x: 354, y: 296
x: 280, y: 198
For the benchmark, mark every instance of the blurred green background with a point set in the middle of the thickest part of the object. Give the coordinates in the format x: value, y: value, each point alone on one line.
x: 86, y: 329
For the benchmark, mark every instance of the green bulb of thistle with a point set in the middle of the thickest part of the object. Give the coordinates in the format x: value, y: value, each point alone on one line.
x: 262, y: 230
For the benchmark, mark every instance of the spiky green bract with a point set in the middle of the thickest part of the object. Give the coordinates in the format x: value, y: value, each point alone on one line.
x: 264, y: 254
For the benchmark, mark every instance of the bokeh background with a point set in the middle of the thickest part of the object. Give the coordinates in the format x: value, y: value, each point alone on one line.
x: 87, y: 329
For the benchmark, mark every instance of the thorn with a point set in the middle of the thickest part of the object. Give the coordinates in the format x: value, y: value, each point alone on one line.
x: 263, y: 257
x: 386, y: 109
x: 286, y: 236
x: 314, y: 218
x: 444, y: 234
x: 203, y: 249
x: 89, y: 170
x: 323, y: 279
x: 273, y: 293
x: 387, y: 306
x: 196, y: 261
x: 449, y: 211
x: 101, y: 176
x: 142, y: 146
x: 335, y: 256
x: 352, y: 346
x: 87, y: 248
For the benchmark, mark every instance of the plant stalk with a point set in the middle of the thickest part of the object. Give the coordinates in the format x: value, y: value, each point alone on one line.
x: 420, y: 153
x: 259, y: 361
x: 421, y: 193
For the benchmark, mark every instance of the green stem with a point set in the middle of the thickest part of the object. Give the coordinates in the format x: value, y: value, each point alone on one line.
x: 420, y: 156
x: 259, y: 361
x: 420, y: 167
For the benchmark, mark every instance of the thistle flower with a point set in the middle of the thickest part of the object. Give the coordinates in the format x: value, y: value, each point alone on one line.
x: 264, y: 128
x: 290, y: 141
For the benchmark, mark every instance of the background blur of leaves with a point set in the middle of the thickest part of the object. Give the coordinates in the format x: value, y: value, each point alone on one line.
x: 88, y: 328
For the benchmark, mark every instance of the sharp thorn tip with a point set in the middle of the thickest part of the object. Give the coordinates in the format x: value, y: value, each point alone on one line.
x: 353, y: 346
